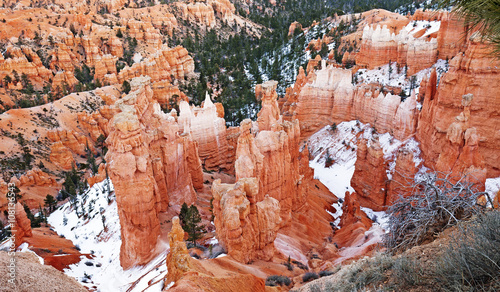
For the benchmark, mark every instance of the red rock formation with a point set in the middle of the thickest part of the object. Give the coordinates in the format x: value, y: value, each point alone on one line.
x: 223, y: 9
x: 64, y: 79
x: 23, y: 225
x: 403, y: 176
x: 316, y: 45
x: 164, y: 92
x: 36, y: 177
x: 189, y: 275
x: 73, y: 140
x: 98, y: 177
x: 272, y: 157
x: 370, y: 178
x: 61, y: 156
x: 246, y: 226
x: 209, y: 131
x: 165, y: 63
x: 461, y: 155
x: 106, y: 65
x: 327, y: 96
x: 145, y: 152
x: 93, y: 124
x: 179, y: 261
x: 24, y: 61
x: 198, y: 12
x: 294, y: 26
x: 269, y: 113
x: 444, y: 120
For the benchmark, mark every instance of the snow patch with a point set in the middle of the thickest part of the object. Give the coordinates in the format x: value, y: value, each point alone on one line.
x: 492, y: 187
x: 91, y: 222
x: 137, y: 57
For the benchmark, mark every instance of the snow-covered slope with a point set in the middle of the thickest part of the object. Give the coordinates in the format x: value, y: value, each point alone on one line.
x: 92, y: 224
x: 339, y: 145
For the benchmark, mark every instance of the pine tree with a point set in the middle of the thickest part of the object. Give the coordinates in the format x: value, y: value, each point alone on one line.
x: 190, y: 220
x: 50, y: 203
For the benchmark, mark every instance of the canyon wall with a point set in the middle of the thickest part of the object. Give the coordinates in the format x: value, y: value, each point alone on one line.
x: 461, y: 116
x: 418, y: 42
x: 327, y: 96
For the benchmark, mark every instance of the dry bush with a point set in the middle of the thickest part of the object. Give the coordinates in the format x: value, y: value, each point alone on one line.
x: 276, y: 280
x: 472, y: 259
x: 436, y: 201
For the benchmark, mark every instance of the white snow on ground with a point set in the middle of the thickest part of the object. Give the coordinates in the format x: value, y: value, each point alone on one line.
x: 416, y: 26
x: 381, y: 75
x: 492, y: 187
x: 213, y: 241
x: 381, y: 218
x: 340, y: 147
x: 98, y: 233
x: 137, y: 57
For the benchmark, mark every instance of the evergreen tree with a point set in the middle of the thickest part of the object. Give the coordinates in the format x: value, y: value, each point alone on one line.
x: 50, y: 203
x: 190, y: 220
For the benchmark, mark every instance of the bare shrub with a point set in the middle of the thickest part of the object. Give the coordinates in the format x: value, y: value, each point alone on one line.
x: 436, y: 201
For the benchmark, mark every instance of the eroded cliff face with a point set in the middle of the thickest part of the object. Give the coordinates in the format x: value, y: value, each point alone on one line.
x: 327, y: 96
x: 458, y: 122
x: 208, y: 129
x: 272, y: 158
x: 269, y: 113
x: 370, y: 178
x: 150, y: 166
x: 418, y: 41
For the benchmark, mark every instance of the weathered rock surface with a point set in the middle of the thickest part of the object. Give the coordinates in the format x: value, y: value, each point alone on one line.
x: 269, y: 113
x: 36, y: 177
x: 31, y: 273
x: 403, y: 176
x: 370, y: 178
x: 446, y: 115
x: 23, y: 225
x: 179, y: 261
x: 246, y: 226
x: 327, y: 96
x: 164, y: 63
x: 353, y: 222
x: 293, y: 27
x: 61, y: 156
x: 412, y: 45
x: 209, y: 130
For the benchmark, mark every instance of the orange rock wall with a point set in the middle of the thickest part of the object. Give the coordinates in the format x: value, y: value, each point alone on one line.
x: 444, y: 119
